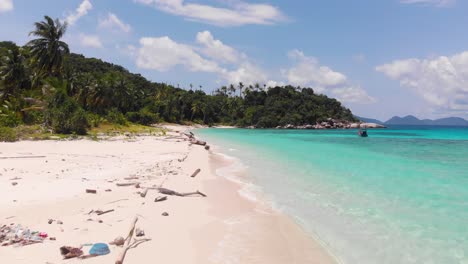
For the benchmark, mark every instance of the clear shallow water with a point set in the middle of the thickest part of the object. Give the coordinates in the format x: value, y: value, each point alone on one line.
x: 399, y: 196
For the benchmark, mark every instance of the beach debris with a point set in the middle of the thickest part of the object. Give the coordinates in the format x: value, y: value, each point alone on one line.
x: 14, y: 183
x: 116, y: 201
x: 207, y: 147
x: 143, y: 194
x: 91, y: 191
x: 198, y: 142
x: 130, y: 242
x: 100, y: 212
x: 125, y: 184
x: 160, y: 198
x: 137, y: 185
x: 99, y: 249
x: 50, y: 221
x: 52, y: 238
x: 59, y: 222
x: 15, y: 179
x: 165, y: 214
x: 195, y: 173
x: 70, y: 252
x: 131, y: 178
x: 118, y: 241
x: 20, y: 236
x: 139, y: 232
x: 108, y: 190
x: 23, y: 157
x: 183, y: 159
x: 172, y: 192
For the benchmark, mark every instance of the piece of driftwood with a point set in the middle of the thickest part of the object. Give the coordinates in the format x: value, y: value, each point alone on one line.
x: 189, y: 135
x: 172, y: 192
x: 131, y: 178
x: 143, y: 194
x: 130, y: 243
x: 160, y: 199
x: 125, y: 184
x: 207, y: 147
x: 116, y: 201
x: 198, y: 142
x: 195, y: 173
x: 23, y: 157
x: 104, y: 212
x: 91, y: 191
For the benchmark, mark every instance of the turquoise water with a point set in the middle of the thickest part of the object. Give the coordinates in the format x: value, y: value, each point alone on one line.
x: 399, y: 196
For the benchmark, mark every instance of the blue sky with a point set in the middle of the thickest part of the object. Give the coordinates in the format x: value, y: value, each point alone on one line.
x: 380, y: 58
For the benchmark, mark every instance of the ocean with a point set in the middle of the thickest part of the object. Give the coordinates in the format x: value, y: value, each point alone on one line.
x: 398, y: 196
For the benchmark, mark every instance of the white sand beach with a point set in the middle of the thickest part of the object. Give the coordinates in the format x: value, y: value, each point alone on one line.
x: 51, y: 178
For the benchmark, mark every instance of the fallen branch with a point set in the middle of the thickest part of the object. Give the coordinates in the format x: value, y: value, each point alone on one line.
x: 198, y: 142
x: 104, y: 212
x: 129, y: 244
x: 160, y: 199
x: 125, y: 184
x: 91, y: 191
x: 131, y: 178
x: 23, y: 157
x: 172, y: 192
x: 195, y: 173
x: 117, y: 201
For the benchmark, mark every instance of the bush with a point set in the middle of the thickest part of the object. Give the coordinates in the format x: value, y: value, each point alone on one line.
x: 116, y: 117
x: 144, y: 117
x: 9, y: 119
x: 8, y: 134
x: 94, y: 120
x: 65, y: 116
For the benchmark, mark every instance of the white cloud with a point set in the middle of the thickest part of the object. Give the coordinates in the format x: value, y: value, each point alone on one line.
x: 236, y: 14
x: 441, y: 81
x: 353, y: 94
x: 439, y: 3
x: 91, y: 41
x: 6, y: 5
x: 163, y: 54
x: 308, y: 71
x: 113, y: 22
x: 81, y: 11
x: 247, y: 73
x: 215, y: 49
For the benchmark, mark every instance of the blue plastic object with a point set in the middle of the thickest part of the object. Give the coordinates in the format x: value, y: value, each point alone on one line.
x: 99, y: 249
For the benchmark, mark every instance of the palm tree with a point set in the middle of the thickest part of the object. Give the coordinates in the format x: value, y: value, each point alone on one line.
x: 241, y: 86
x: 48, y: 51
x: 12, y: 72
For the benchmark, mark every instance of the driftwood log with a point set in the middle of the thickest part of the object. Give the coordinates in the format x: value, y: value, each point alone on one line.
x: 130, y: 242
x: 91, y: 191
x: 125, y: 184
x: 198, y: 142
x: 195, y: 173
x: 143, y: 194
x: 172, y: 192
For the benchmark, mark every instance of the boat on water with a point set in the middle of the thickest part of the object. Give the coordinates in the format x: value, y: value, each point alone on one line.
x: 362, y: 132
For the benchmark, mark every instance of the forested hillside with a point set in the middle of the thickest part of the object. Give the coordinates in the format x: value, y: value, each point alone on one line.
x: 43, y: 83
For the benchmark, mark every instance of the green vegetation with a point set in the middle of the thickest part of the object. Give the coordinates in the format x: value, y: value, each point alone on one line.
x: 42, y: 83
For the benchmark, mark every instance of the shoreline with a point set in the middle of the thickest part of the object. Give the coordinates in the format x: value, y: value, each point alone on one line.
x: 215, y: 229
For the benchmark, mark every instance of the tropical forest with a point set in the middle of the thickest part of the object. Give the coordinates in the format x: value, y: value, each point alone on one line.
x: 44, y: 87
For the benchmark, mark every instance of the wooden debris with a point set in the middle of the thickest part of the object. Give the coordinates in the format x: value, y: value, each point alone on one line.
x: 207, y: 147
x: 131, y: 178
x: 23, y: 157
x: 195, y: 173
x: 125, y: 184
x: 160, y: 199
x: 116, y: 201
x: 143, y: 194
x: 171, y: 192
x: 165, y: 214
x: 198, y: 142
x: 91, y: 191
x: 14, y: 183
x: 99, y: 212
x: 129, y: 244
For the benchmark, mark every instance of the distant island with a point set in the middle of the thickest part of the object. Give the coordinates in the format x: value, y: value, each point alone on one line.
x: 414, y: 121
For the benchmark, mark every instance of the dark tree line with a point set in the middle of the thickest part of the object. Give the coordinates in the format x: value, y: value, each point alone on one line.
x: 43, y: 83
